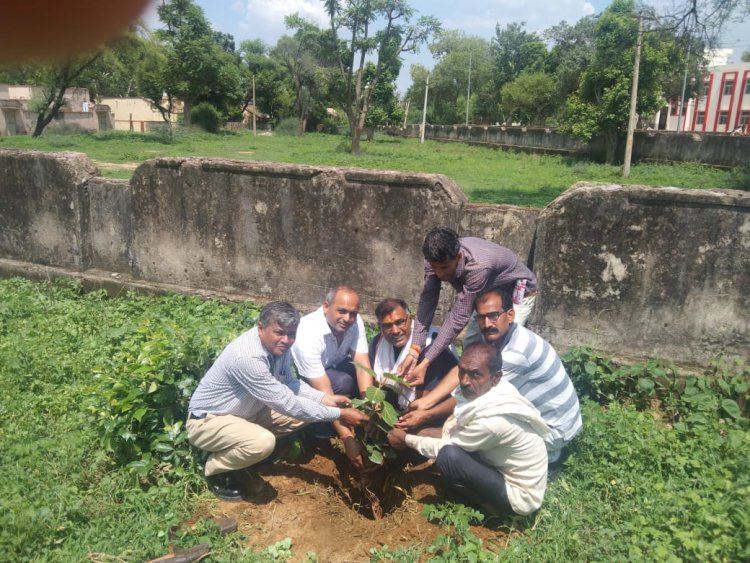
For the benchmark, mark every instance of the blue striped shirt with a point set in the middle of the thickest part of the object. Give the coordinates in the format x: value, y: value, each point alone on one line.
x: 534, y: 368
x: 246, y: 378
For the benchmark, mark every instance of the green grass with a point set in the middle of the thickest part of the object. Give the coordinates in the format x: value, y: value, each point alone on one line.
x: 641, y: 485
x: 486, y: 175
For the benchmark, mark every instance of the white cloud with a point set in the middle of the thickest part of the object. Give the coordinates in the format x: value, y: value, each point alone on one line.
x: 588, y: 9
x: 265, y: 18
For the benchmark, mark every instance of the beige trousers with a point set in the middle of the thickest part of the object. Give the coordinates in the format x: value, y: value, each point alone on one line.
x: 236, y: 443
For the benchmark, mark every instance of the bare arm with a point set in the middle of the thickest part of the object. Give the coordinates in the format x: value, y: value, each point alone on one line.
x: 442, y: 390
x: 364, y: 379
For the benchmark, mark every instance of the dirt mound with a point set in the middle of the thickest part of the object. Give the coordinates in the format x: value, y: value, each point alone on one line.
x: 318, y: 504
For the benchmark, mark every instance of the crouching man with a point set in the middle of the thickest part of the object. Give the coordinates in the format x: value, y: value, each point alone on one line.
x: 249, y: 397
x: 491, y: 454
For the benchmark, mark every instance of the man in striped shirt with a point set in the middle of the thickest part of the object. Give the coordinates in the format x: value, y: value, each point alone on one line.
x: 249, y: 397
x: 534, y: 368
x: 470, y: 265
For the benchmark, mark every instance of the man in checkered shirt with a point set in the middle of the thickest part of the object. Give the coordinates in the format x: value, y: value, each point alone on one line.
x: 471, y: 265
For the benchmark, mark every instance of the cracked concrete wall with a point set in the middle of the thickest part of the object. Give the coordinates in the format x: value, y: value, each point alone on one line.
x: 646, y: 272
x: 44, y: 207
x: 283, y: 231
x: 633, y: 270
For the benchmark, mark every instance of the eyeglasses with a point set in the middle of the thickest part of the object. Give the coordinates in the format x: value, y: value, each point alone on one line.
x: 492, y: 317
x: 400, y: 323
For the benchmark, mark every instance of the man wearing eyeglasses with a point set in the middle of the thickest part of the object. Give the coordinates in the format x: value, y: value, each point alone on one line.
x: 534, y: 368
x: 391, y: 347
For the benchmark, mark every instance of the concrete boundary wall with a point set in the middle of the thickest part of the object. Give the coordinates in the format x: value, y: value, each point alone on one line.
x: 635, y: 271
x: 663, y: 146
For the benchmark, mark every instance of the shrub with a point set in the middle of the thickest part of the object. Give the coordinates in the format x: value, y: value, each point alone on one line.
x: 141, y: 404
x: 207, y: 117
x: 287, y: 126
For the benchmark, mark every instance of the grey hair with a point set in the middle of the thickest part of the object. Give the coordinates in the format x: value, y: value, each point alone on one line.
x: 331, y: 294
x: 281, y: 313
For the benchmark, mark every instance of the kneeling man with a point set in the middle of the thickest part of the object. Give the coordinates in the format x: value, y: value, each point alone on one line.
x: 249, y: 397
x: 391, y: 347
x: 491, y: 454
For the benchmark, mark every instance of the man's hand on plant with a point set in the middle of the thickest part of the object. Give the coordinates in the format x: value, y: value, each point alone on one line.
x: 421, y: 404
x: 416, y: 376
x: 412, y: 420
x: 406, y: 366
x: 397, y: 439
x: 353, y: 417
x: 354, y: 452
x: 336, y: 401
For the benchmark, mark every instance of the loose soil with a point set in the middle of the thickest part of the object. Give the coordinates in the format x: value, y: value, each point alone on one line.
x: 316, y: 502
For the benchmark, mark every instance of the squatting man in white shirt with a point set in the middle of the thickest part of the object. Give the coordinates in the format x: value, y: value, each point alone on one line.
x: 491, y: 453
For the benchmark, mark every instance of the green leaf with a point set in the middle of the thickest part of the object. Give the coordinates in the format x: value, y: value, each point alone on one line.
x: 389, y: 414
x: 368, y: 370
x: 140, y: 413
x: 646, y: 386
x: 731, y: 408
x: 397, y: 379
x: 590, y: 368
x: 375, y: 394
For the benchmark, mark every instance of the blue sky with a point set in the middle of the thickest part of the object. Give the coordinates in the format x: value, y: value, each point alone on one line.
x: 264, y: 19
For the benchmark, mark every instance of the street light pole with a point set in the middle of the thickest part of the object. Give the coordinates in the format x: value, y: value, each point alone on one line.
x: 468, y: 91
x: 633, y: 100
x: 424, y: 110
x: 684, y: 86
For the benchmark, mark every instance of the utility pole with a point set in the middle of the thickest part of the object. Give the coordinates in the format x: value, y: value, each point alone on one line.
x: 684, y: 86
x: 633, y: 100
x: 424, y: 110
x: 254, y: 131
x: 468, y: 92
x: 406, y: 113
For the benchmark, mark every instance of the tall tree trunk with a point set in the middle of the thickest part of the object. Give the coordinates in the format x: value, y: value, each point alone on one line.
x: 610, y: 144
x: 187, y: 113
x: 356, y: 134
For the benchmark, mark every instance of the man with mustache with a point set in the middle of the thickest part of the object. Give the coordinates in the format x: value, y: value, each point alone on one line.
x: 329, y: 339
x: 491, y: 453
x: 389, y: 349
x: 469, y: 265
x: 249, y: 397
x: 534, y: 368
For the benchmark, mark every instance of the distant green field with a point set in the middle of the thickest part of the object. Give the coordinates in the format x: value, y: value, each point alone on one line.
x: 486, y: 175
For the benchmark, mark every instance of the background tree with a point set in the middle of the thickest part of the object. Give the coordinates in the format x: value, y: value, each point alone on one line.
x: 274, y: 91
x: 53, y: 80
x: 515, y: 50
x: 601, y: 104
x: 530, y: 98
x: 299, y: 55
x: 198, y: 69
x: 449, y: 79
x: 571, y: 54
x: 357, y: 20
x: 385, y: 108
x: 746, y: 56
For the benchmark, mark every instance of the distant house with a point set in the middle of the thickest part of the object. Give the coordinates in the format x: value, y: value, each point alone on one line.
x: 17, y: 115
x: 723, y: 108
x: 137, y: 114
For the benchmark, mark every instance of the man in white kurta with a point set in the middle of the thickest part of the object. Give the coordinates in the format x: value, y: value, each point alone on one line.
x: 492, y: 453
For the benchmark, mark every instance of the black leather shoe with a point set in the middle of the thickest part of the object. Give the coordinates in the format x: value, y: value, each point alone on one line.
x: 224, y: 486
